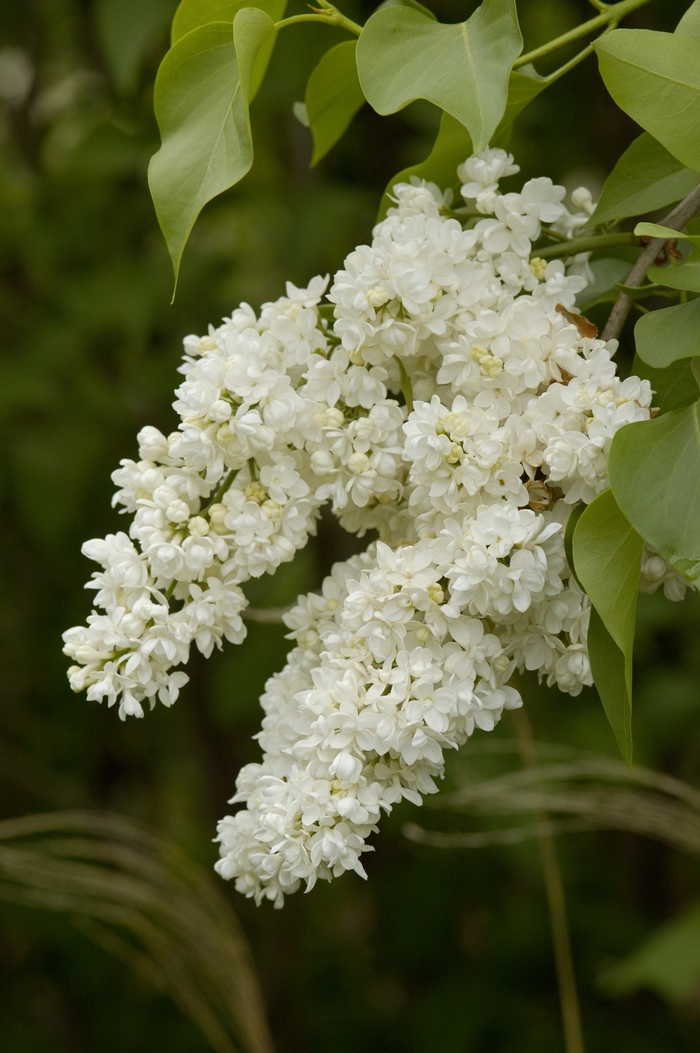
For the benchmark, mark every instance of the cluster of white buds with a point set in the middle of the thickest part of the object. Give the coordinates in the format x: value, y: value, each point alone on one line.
x: 457, y: 406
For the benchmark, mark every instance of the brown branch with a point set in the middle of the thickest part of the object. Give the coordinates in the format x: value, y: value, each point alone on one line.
x: 676, y: 219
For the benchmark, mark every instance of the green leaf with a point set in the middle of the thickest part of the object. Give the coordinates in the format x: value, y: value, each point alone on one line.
x: 640, y: 292
x: 663, y: 337
x: 522, y: 89
x: 656, y: 230
x: 654, y: 469
x: 127, y: 29
x: 689, y: 25
x: 524, y: 85
x: 646, y: 177
x: 453, y: 144
x: 201, y: 103
x: 655, y: 78
x: 571, y: 524
x: 463, y: 68
x: 408, y: 3
x: 333, y: 97
x: 686, y: 274
x: 451, y: 147
x: 192, y: 14
x: 299, y: 111
x: 694, y: 364
x: 677, y: 275
x: 674, y: 386
x: 607, y: 273
x: 607, y: 555
x: 609, y: 671
x: 668, y: 962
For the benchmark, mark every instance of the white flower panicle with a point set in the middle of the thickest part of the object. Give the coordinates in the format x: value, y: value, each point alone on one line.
x: 454, y: 407
x: 228, y: 496
x: 388, y: 673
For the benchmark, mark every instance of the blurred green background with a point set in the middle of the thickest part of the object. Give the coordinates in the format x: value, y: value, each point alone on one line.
x: 443, y: 951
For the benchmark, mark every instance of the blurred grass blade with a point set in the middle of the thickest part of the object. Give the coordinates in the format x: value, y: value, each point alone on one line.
x: 594, y: 792
x: 141, y: 899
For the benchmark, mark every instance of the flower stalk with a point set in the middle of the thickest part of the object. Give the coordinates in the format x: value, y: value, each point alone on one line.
x: 327, y: 14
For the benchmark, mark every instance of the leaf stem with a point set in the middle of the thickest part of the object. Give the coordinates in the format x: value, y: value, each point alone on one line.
x: 572, y: 246
x: 608, y: 18
x: 325, y: 13
x: 556, y: 902
x: 677, y: 219
x: 588, y: 50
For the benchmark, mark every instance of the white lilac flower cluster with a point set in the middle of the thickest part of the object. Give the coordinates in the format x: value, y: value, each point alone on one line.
x: 457, y: 406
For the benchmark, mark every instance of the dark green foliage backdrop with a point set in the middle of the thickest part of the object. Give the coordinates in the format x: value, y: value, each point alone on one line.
x: 439, y: 951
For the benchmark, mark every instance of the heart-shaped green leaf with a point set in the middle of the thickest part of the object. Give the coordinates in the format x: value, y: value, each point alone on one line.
x: 683, y: 276
x: 571, y: 524
x: 451, y: 147
x: 656, y: 230
x: 663, y: 337
x: 610, y: 676
x: 674, y: 386
x: 646, y: 177
x: 654, y: 469
x: 523, y: 87
x: 191, y: 14
x: 333, y: 97
x: 453, y: 144
x: 408, y: 3
x: 608, y: 272
x: 689, y: 25
x: 655, y: 78
x: 607, y: 554
x: 463, y: 68
x: 201, y: 102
